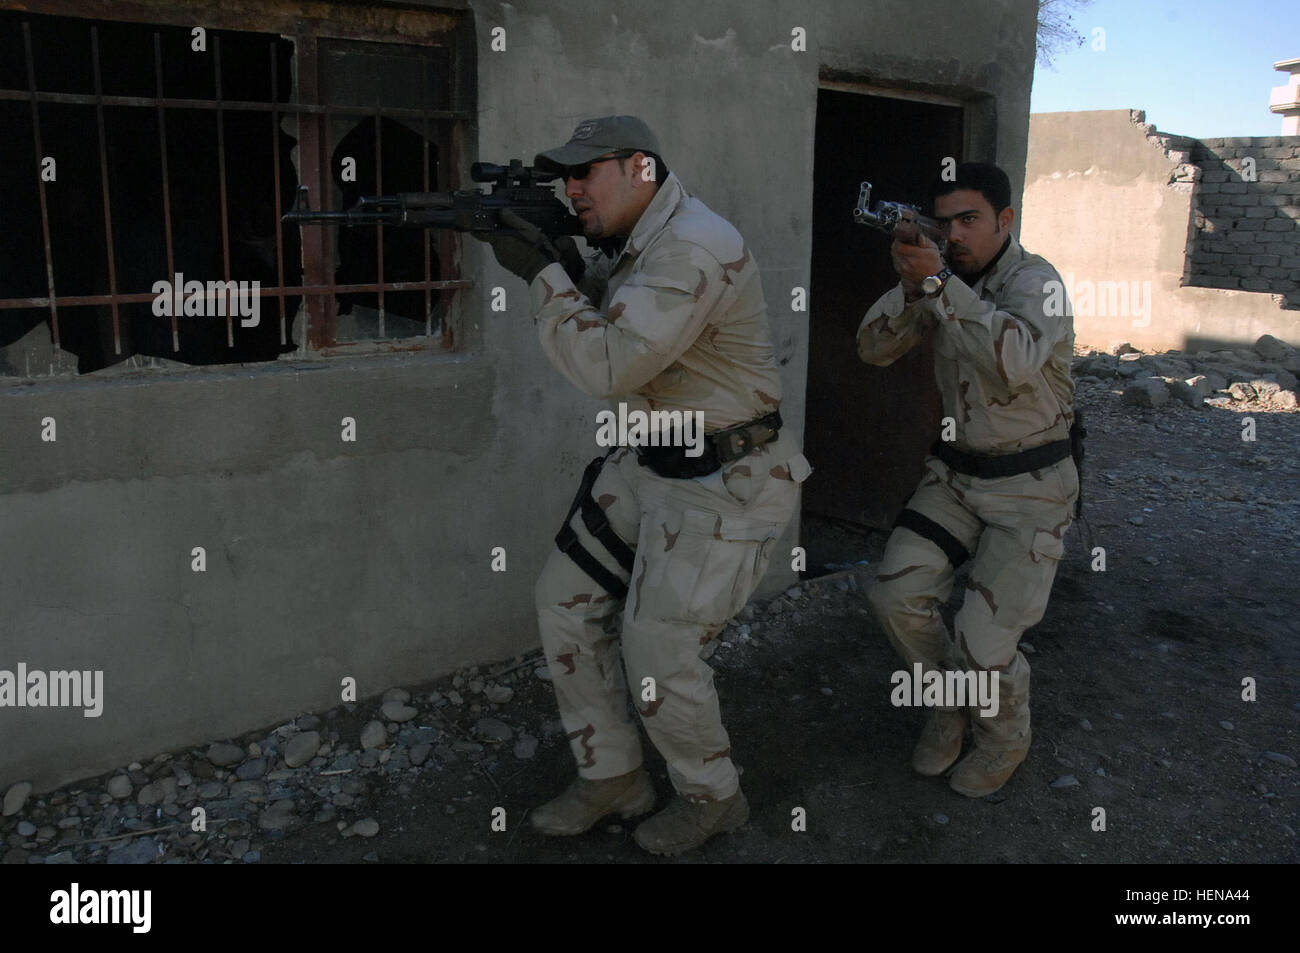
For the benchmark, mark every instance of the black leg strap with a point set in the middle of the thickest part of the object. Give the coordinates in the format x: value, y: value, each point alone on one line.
x: 925, y: 527
x: 593, y: 517
x: 598, y: 525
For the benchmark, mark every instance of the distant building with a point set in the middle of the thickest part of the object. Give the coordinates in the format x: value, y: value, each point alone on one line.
x: 1285, y: 100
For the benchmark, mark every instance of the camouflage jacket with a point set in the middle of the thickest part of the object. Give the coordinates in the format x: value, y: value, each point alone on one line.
x: 1002, y: 351
x: 676, y: 322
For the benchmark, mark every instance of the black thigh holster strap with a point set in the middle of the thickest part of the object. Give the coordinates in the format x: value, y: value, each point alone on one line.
x: 593, y: 517
x: 1077, y: 433
x: 925, y: 527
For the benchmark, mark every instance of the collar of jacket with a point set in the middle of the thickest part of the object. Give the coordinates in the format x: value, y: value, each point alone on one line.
x: 995, y: 277
x: 656, y: 215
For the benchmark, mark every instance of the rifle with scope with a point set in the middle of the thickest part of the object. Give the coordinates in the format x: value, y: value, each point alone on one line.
x: 524, y: 190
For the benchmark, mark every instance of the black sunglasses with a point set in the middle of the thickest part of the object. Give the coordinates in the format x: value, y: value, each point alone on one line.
x: 582, y: 171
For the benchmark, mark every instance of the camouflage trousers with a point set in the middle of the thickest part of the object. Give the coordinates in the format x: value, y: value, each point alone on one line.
x: 701, y: 545
x: 1014, y: 530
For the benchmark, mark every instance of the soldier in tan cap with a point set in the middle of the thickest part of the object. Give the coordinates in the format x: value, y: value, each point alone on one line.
x: 1003, y: 489
x: 666, y: 319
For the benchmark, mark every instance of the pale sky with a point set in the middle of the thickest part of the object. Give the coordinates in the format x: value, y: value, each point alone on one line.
x: 1199, y: 68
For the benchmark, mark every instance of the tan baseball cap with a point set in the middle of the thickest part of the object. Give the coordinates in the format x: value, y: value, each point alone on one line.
x: 594, y: 138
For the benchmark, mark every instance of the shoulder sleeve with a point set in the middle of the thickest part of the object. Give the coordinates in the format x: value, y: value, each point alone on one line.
x: 893, y: 327
x: 653, y: 318
x: 1013, y: 337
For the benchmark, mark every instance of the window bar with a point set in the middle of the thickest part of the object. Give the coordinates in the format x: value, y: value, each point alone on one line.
x: 379, y: 229
x: 103, y: 182
x: 424, y: 184
x: 221, y: 181
x: 40, y: 185
x: 450, y: 146
x: 279, y: 228
x: 166, y: 182
x: 78, y: 99
x: 314, y: 268
x: 329, y: 328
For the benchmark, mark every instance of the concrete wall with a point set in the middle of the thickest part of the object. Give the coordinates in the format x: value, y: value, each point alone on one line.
x: 1246, y: 210
x: 371, y: 559
x: 1110, y: 200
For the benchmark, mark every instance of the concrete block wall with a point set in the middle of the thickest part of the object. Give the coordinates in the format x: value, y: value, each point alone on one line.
x: 1113, y: 203
x: 1246, y: 229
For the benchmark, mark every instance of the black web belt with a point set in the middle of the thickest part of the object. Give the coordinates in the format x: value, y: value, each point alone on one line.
x: 987, y: 468
x: 597, y: 523
x: 1011, y: 464
x: 719, y: 448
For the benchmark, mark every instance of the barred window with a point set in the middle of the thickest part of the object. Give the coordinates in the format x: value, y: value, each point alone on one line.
x: 148, y: 164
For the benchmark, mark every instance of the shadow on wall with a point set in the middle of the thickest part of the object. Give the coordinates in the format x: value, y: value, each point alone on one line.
x: 1196, y: 345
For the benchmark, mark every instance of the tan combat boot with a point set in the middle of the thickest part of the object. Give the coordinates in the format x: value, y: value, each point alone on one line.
x: 584, y: 802
x: 685, y: 824
x: 985, y: 769
x: 1001, y: 743
x: 940, y: 742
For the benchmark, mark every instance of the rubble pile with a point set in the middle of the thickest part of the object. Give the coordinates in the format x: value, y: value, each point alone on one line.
x: 1263, y: 378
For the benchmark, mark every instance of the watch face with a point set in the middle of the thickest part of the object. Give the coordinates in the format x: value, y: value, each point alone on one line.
x: 931, y: 284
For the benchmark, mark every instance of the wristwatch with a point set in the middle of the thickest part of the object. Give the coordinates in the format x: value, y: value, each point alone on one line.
x: 933, y: 284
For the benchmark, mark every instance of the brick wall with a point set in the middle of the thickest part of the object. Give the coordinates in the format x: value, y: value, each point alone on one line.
x: 1245, y: 228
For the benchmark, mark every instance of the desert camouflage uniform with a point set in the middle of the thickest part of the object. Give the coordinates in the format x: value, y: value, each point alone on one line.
x: 1002, y: 362
x: 676, y: 322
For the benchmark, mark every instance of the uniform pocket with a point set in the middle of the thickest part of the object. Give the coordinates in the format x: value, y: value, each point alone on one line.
x: 701, y: 567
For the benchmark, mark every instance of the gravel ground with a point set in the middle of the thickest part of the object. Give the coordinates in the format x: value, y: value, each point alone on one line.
x: 1137, y: 700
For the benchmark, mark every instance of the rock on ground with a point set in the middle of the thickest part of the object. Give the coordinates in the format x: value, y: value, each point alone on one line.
x: 366, y: 827
x: 119, y: 786
x: 1148, y: 392
x: 301, y: 748
x: 492, y: 729
x: 1271, y: 349
x: 278, y: 816
x: 16, y: 797
x: 142, y: 850
x: 399, y: 712
x: 223, y: 754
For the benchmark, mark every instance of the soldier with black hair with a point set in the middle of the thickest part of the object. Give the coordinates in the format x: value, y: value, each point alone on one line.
x: 1001, y: 493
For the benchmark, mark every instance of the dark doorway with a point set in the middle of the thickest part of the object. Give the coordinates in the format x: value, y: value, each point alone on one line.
x: 867, y: 427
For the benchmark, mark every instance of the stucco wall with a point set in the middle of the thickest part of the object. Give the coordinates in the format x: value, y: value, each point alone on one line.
x: 371, y: 559
x: 1109, y: 201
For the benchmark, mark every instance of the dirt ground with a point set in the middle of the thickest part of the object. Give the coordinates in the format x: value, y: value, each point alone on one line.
x: 1137, y: 694
x: 1137, y: 706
